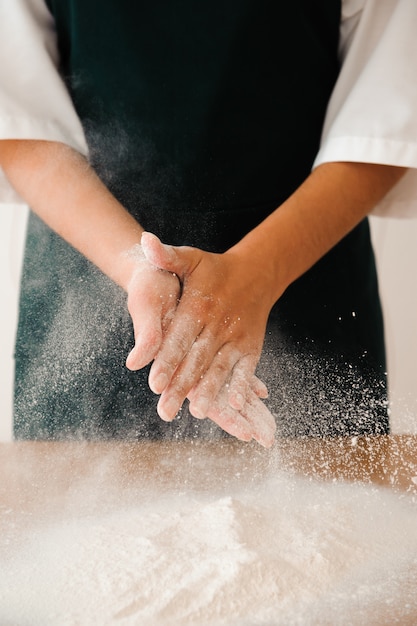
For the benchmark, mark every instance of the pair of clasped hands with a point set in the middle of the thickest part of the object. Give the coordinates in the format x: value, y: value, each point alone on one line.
x: 198, y: 318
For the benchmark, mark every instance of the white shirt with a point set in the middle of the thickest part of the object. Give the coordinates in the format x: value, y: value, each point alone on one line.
x: 371, y: 116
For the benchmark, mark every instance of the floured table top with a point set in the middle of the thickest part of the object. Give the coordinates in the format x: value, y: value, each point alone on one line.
x: 310, y: 532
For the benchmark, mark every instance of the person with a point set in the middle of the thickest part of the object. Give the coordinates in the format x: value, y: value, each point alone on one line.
x: 202, y: 128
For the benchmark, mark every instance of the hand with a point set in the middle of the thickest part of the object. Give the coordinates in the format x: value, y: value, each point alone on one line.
x: 216, y: 335
x: 152, y: 299
x: 252, y: 421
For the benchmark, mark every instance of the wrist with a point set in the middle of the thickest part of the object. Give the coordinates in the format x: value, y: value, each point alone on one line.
x: 129, y: 263
x: 256, y: 262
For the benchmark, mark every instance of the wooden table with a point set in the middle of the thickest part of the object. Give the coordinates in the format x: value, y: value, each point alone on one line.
x: 40, y: 472
x: 40, y: 480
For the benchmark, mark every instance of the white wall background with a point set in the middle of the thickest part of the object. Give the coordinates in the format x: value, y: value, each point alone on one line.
x: 395, y: 244
x: 12, y: 229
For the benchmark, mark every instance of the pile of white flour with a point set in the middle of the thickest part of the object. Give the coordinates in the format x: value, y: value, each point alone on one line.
x: 285, y: 551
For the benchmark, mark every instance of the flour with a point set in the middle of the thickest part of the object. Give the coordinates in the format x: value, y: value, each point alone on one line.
x: 285, y: 551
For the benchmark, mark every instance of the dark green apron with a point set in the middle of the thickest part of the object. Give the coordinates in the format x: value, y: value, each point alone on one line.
x: 201, y: 118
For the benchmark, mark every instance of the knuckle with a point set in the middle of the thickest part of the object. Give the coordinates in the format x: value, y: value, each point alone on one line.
x: 221, y: 368
x: 173, y: 351
x: 182, y: 384
x: 166, y: 361
x: 208, y: 385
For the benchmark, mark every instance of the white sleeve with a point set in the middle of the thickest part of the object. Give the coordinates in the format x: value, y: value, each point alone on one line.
x: 372, y: 114
x: 34, y: 102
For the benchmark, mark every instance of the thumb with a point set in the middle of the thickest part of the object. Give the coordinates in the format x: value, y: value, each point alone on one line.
x: 179, y: 260
x: 148, y: 338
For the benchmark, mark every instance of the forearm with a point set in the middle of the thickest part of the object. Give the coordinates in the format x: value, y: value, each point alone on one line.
x: 326, y: 207
x: 60, y: 186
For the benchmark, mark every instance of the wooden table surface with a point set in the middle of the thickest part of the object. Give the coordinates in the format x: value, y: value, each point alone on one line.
x: 390, y: 461
x: 41, y: 480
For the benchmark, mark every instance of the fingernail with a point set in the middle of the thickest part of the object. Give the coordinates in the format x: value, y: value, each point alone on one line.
x: 200, y: 408
x: 159, y: 383
x: 168, y: 410
x: 239, y: 401
x: 129, y: 359
x: 267, y: 441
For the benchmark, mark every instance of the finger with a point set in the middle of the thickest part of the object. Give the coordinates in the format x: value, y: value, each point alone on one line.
x: 148, y: 333
x: 181, y: 260
x: 187, y: 374
x: 259, y: 388
x: 260, y: 419
x: 231, y: 421
x: 179, y: 339
x: 148, y: 339
x: 152, y: 300
x: 214, y: 379
x: 240, y: 381
x: 145, y: 309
